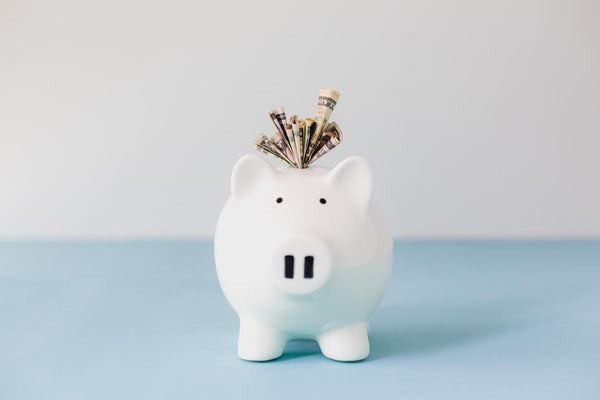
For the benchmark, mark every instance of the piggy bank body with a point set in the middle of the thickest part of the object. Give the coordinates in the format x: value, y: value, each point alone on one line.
x: 302, y: 254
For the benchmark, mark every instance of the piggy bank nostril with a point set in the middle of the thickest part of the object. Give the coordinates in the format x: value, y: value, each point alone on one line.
x: 300, y: 265
x: 289, y: 267
x: 308, y: 266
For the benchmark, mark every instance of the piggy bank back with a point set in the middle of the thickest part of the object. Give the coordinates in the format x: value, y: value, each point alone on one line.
x: 302, y: 254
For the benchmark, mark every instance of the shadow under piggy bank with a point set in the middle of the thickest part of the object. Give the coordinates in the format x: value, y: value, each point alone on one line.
x: 408, y: 329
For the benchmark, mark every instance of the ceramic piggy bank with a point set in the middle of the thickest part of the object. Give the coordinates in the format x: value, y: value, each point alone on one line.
x: 302, y: 254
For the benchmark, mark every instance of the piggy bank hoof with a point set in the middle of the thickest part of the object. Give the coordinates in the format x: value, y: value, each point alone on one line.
x: 350, y: 343
x: 259, y: 342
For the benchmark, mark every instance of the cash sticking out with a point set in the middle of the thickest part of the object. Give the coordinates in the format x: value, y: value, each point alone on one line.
x: 299, y: 142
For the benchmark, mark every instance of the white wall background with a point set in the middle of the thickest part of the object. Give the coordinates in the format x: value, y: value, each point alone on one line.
x: 124, y: 118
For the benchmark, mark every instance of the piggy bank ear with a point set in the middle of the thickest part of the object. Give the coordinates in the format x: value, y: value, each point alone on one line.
x: 354, y: 177
x: 248, y: 173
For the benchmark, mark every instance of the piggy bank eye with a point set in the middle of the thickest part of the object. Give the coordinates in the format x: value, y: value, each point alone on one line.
x: 322, y: 200
x: 279, y: 200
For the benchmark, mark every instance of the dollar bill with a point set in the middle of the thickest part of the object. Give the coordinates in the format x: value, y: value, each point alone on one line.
x: 309, y: 132
x: 314, y: 138
x: 297, y: 139
x: 281, y: 118
x: 332, y: 136
x: 332, y: 130
x: 302, y: 141
x: 280, y: 142
x: 292, y: 142
x: 266, y: 145
x: 330, y: 145
x: 328, y: 99
x: 326, y: 103
x: 277, y: 115
x: 267, y: 151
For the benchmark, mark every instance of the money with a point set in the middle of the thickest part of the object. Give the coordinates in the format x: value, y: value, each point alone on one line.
x: 328, y: 99
x: 296, y: 134
x: 332, y: 143
x: 310, y: 129
x: 326, y: 102
x: 300, y: 142
x: 280, y: 141
x: 331, y: 137
x: 266, y: 151
x: 278, y: 117
x: 267, y: 146
x: 292, y: 142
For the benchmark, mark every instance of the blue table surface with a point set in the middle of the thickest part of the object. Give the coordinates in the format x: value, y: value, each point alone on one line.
x: 147, y: 320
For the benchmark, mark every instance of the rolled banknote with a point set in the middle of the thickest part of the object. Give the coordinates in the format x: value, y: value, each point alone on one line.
x: 300, y: 141
x: 281, y: 143
x: 297, y: 139
x: 278, y: 119
x: 328, y: 99
x: 309, y: 132
x: 325, y: 149
x: 315, y: 138
x: 266, y: 151
x: 331, y: 130
x: 290, y: 137
x: 263, y: 141
x: 265, y: 145
x: 331, y: 137
x: 281, y: 116
x: 275, y: 147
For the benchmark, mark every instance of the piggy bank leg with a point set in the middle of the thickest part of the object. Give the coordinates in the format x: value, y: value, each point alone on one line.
x: 349, y: 343
x: 259, y: 341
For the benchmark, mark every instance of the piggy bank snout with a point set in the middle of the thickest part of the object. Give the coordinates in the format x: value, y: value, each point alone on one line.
x: 301, y: 265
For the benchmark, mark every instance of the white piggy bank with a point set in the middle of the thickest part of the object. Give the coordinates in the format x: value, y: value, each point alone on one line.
x: 302, y: 254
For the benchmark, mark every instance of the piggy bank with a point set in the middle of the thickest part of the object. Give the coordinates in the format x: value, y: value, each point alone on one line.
x: 302, y: 254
